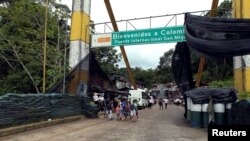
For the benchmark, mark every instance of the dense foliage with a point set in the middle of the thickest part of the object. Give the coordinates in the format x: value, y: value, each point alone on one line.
x: 21, y: 45
x: 21, y: 50
x: 108, y: 59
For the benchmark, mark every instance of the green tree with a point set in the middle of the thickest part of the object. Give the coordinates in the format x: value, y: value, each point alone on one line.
x: 145, y: 77
x: 225, y: 9
x: 21, y: 46
x: 166, y: 59
x: 163, y: 71
x: 108, y: 59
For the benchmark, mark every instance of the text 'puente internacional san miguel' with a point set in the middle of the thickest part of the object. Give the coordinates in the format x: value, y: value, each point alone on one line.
x: 80, y: 39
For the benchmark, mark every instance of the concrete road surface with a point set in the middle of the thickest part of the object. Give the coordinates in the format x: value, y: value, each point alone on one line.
x: 154, y: 125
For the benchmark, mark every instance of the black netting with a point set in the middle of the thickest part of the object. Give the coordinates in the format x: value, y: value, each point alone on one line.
x: 218, y: 37
x: 181, y: 67
x: 17, y: 109
x: 218, y: 95
x: 240, y: 113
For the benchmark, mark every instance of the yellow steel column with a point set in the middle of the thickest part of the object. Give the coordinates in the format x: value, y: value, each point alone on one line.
x: 79, y: 41
x: 241, y: 9
x: 79, y: 36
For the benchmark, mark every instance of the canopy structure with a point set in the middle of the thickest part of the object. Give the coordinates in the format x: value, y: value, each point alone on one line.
x: 211, y: 37
x: 218, y: 37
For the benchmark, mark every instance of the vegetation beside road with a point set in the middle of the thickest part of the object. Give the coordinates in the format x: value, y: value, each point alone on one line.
x: 21, y: 50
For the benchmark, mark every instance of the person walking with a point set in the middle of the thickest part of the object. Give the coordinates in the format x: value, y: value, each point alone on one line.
x: 160, y: 102
x: 126, y: 110
x: 96, y: 99
x: 165, y: 102
x: 105, y: 108
x: 123, y: 109
x: 109, y: 105
x: 150, y: 102
x: 117, y: 110
x: 132, y: 110
x: 136, y: 109
x: 101, y: 102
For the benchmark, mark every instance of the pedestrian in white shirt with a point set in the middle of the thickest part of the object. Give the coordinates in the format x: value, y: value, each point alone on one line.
x: 96, y: 99
x: 166, y: 102
x: 101, y: 102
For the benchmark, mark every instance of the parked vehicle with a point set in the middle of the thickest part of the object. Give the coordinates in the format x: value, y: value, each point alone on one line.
x: 140, y: 96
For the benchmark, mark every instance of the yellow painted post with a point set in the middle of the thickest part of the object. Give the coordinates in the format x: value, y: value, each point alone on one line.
x: 238, y: 75
x: 79, y: 41
x: 241, y: 9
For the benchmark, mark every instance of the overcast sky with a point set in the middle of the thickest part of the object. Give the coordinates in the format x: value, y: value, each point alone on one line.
x: 144, y: 56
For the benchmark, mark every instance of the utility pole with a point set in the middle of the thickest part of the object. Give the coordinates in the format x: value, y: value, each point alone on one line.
x: 45, y: 45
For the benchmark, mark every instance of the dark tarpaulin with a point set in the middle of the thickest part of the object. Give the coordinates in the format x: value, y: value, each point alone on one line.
x: 218, y: 37
x: 214, y: 37
x: 181, y: 68
x: 18, y: 109
x: 218, y: 95
x: 211, y: 37
x: 240, y: 112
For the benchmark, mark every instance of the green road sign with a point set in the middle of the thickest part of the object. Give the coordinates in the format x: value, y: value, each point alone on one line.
x: 149, y: 36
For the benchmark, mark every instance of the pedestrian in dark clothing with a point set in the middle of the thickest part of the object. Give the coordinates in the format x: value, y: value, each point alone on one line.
x: 160, y: 103
x: 109, y: 105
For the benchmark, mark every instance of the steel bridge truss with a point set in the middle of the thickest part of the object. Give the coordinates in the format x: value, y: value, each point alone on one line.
x: 148, y: 22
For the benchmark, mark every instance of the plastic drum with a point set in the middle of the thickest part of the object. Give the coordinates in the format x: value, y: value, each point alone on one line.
x: 196, y: 115
x: 219, y: 113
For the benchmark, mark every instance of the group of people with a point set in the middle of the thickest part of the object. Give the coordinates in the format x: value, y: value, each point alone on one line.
x: 99, y: 100
x: 163, y: 101
x: 127, y: 109
x: 122, y: 109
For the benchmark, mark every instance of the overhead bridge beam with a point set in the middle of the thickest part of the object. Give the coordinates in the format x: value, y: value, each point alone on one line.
x: 124, y: 55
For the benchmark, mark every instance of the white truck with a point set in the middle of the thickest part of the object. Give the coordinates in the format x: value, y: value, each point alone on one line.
x: 141, y: 97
